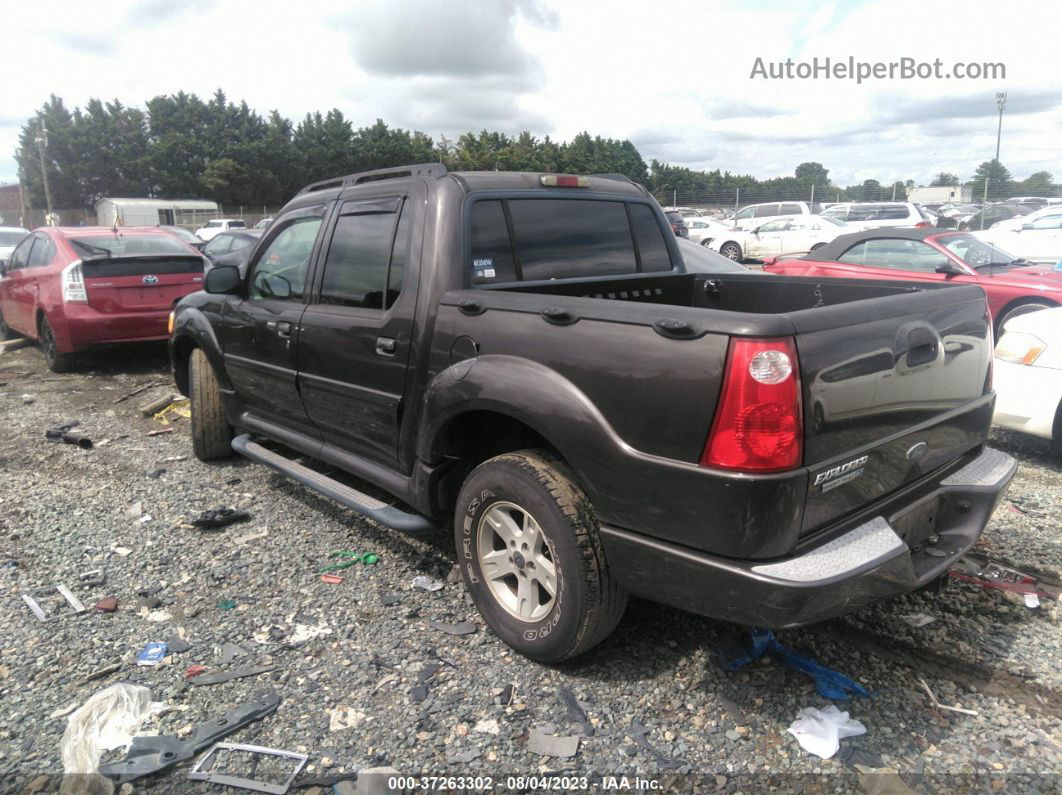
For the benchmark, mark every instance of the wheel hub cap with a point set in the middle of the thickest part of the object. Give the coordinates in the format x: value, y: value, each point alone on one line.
x: 516, y: 561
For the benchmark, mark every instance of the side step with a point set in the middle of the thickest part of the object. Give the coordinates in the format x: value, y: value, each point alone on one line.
x: 383, y: 513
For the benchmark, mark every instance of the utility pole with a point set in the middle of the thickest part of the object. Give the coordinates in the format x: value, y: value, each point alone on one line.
x: 42, y: 143
x: 894, y: 191
x: 812, y: 200
x: 1001, y: 100
x: 984, y: 203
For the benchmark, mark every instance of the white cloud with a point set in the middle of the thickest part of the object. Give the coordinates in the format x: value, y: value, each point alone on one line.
x: 673, y: 78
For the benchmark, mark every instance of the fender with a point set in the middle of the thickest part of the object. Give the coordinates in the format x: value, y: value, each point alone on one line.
x: 191, y: 323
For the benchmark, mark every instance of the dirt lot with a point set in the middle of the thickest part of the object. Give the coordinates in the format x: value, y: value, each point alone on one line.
x: 656, y: 701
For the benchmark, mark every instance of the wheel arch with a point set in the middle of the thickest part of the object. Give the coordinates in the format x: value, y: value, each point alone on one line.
x: 1015, y: 303
x: 192, y: 330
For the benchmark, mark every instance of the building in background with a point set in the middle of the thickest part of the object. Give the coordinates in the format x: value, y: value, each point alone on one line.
x: 11, y: 205
x: 956, y: 194
x: 189, y: 213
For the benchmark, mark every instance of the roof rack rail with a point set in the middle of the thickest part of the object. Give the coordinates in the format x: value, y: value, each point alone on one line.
x: 395, y: 172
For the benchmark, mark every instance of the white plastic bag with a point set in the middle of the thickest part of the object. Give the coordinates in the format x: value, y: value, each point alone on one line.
x: 105, y: 722
x: 819, y: 731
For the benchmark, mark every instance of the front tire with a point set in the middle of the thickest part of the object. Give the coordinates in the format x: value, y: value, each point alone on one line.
x: 57, y: 362
x: 531, y: 557
x: 1016, y: 310
x: 211, y: 432
x: 731, y: 250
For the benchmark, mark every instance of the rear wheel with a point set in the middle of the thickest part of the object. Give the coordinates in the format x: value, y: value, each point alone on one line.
x: 5, y: 331
x: 531, y: 557
x: 731, y: 250
x: 57, y: 362
x: 1018, y: 309
x: 211, y: 432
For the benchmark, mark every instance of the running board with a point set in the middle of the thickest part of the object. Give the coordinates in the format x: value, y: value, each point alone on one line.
x: 383, y: 513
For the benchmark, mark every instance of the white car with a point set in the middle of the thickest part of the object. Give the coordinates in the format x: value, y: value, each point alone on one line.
x: 10, y: 236
x: 1037, y: 239
x: 217, y: 226
x: 704, y: 229
x: 797, y: 234
x: 881, y: 214
x: 1028, y: 375
x: 756, y: 214
x: 1016, y: 223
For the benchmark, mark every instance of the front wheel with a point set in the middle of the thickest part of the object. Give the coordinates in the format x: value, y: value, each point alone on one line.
x: 211, y: 432
x: 531, y: 557
x: 1017, y: 310
x: 731, y: 251
x: 57, y: 362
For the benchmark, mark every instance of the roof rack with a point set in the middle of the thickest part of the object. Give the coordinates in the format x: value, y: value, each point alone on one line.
x: 395, y: 172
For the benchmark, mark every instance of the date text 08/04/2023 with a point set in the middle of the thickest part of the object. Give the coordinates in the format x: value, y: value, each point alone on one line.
x: 525, y: 783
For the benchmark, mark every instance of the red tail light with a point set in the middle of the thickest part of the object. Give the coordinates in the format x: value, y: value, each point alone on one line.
x: 923, y: 225
x: 758, y: 426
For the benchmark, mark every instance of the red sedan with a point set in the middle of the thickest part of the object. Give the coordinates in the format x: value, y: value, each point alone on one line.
x: 1014, y: 286
x: 76, y: 287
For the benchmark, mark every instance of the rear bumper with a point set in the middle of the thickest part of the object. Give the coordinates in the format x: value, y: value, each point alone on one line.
x: 865, y: 563
x: 1027, y: 397
x: 82, y: 327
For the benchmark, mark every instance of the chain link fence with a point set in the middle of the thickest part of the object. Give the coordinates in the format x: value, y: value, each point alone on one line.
x: 733, y: 200
x: 31, y: 218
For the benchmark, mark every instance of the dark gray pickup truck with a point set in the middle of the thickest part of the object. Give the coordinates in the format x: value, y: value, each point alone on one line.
x: 525, y: 356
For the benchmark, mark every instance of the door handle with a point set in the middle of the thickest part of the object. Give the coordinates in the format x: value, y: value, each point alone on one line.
x: 284, y: 330
x: 386, y: 346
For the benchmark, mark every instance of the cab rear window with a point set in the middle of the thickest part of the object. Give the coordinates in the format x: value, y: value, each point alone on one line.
x: 543, y: 239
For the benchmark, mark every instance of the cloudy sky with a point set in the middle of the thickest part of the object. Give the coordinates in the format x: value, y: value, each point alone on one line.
x: 672, y: 77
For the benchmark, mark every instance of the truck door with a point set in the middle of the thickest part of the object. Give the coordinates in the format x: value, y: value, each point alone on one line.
x: 357, y: 333
x: 260, y: 330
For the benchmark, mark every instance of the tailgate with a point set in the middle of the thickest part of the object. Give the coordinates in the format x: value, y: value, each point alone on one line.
x: 897, y: 392
x: 141, y: 284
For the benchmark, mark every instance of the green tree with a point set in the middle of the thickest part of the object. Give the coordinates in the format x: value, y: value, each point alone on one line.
x: 1000, y: 183
x: 944, y: 179
x: 60, y: 157
x: 1039, y: 184
x: 813, y: 174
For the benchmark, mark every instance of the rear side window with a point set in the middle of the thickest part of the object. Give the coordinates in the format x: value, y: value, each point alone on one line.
x: 43, y: 249
x: 237, y: 225
x: 767, y: 210
x: 564, y: 239
x: 364, y: 250
x: 790, y: 208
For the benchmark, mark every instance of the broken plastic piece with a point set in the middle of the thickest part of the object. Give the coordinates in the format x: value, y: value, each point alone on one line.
x: 578, y: 714
x: 194, y: 670
x: 226, y: 604
x: 331, y: 579
x: 352, y: 558
x: 830, y: 684
x: 151, y: 654
x: 63, y: 591
x: 63, y: 433
x: 918, y: 620
x: 461, y: 628
x: 226, y: 676
x: 149, y: 755
x: 938, y: 705
x: 107, y: 605
x: 219, y: 517
x: 220, y: 755
x: 426, y: 583
x: 178, y: 645
x: 551, y: 745
x: 819, y: 731
x: 988, y: 573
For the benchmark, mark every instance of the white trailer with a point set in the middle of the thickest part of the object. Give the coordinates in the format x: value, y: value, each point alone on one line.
x: 189, y: 213
x: 957, y: 194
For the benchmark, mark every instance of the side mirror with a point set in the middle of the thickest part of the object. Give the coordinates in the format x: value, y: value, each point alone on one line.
x: 223, y: 280
x: 950, y: 269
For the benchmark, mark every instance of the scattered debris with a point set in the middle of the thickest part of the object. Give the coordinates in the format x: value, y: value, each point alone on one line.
x: 352, y: 558
x: 151, y: 654
x: 989, y: 574
x: 881, y: 781
x: 137, y: 391
x: 157, y: 405
x: 217, y: 764
x: 389, y: 599
x: 426, y: 583
x: 420, y: 690
x: 331, y: 579
x: 92, y: 579
x: 638, y: 732
x: 122, y: 551
x: 181, y: 407
x: 820, y: 731
x: 62, y: 712
x: 918, y: 620
x: 194, y: 670
x: 101, y: 672
x: 830, y: 684
x: 230, y: 651
x: 63, y: 433
x: 31, y: 598
x: 487, y: 726
x: 938, y: 705
x: 576, y: 711
x: 343, y: 717
x: 160, y: 432
x: 503, y: 696
x: 104, y: 722
x: 11, y: 345
x: 552, y: 745
x: 226, y: 604
x: 217, y: 518
x: 155, y: 474
x: 1031, y: 600
x: 178, y: 645
x: 461, y: 628
x: 149, y: 755
x: 228, y: 676
x: 251, y: 537
x: 108, y: 604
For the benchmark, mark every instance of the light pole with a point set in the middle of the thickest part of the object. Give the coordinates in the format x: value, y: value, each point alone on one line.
x: 1001, y: 100
x: 42, y: 142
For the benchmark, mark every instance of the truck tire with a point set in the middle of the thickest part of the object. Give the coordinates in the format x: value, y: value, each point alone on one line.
x: 211, y: 432
x: 57, y: 362
x: 531, y: 557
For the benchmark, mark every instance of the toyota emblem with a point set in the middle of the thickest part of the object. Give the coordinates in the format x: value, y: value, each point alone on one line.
x: 151, y: 278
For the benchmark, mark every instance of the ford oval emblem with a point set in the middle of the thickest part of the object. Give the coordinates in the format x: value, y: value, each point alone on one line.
x: 917, y: 452
x: 151, y: 278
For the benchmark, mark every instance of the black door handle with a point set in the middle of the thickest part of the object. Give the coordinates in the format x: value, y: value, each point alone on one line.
x: 386, y: 346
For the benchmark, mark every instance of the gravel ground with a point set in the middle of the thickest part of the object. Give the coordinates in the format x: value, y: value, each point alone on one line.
x: 656, y: 701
